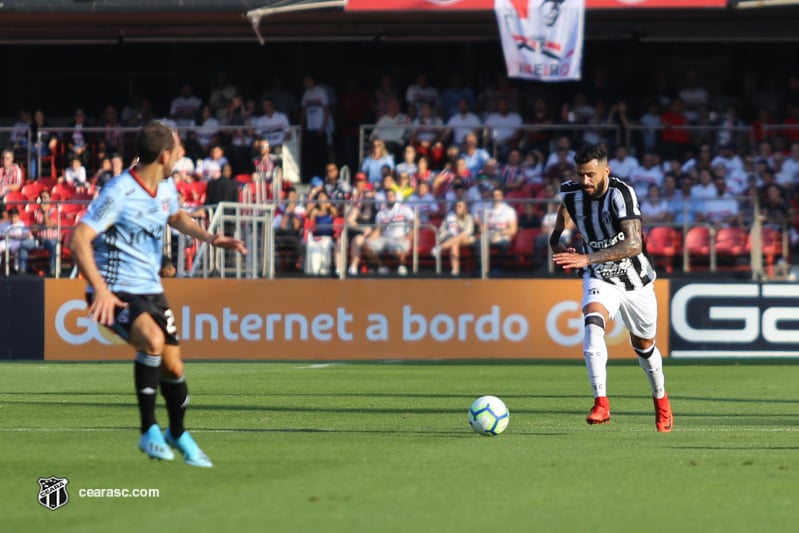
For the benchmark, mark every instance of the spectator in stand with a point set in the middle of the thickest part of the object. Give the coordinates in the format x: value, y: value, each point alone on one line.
x: 391, y: 234
x: 475, y: 156
x: 373, y: 163
x: 409, y: 164
x: 501, y: 224
x: 337, y: 190
x: 623, y: 164
x: 447, y: 178
x: 599, y: 132
x: 529, y: 218
x: 703, y: 159
x: 682, y: 205
x: 788, y: 175
x: 654, y: 209
x: 451, y: 97
x: 463, y: 122
x: 647, y: 173
x: 360, y: 219
x: 423, y: 200
x: 221, y: 188
x: 533, y: 169
x: 501, y: 89
x: 731, y: 128
x: 538, y: 138
x: 10, y: 174
x: 705, y: 189
x: 384, y: 94
x: 316, y: 121
x: 764, y: 127
x: 669, y: 191
x: 403, y: 186
x: 775, y: 208
x: 77, y: 140
x: 504, y: 128
x: 562, y: 165
x: 44, y: 144
x: 112, y: 140
x: 734, y: 178
x: 110, y: 167
x: 208, y: 131
x: 791, y: 123
x: 45, y: 218
x: 221, y: 95
x: 693, y: 96
x: 321, y: 216
x: 215, y: 161
x: 564, y: 144
x: 511, y: 174
x: 75, y: 174
x: 456, y: 230
x: 421, y: 93
x: 727, y: 157
x: 392, y: 127
x: 185, y: 108
x: 423, y: 172
x: 285, y: 101
x: 651, y: 121
x: 264, y: 163
x: 722, y: 210
x: 13, y: 233
x: 271, y: 125
x: 289, y: 224
x: 675, y: 138
x: 427, y: 135
x: 619, y: 117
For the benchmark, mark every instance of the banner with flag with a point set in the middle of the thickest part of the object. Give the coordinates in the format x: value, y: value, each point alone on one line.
x: 542, y: 39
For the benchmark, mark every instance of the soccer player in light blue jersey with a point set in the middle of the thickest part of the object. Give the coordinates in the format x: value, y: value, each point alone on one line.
x: 118, y: 249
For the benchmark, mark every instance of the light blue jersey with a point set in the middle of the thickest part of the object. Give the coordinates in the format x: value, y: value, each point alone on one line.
x: 130, y: 223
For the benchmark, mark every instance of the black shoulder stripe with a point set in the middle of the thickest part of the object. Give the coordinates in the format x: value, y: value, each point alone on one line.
x: 570, y: 186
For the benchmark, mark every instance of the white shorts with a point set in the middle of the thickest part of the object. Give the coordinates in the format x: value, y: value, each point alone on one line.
x: 396, y: 245
x: 638, y: 308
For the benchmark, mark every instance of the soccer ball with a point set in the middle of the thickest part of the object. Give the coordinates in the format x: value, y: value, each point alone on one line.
x: 488, y: 416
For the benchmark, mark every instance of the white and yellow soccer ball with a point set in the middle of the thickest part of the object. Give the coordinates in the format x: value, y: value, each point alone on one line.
x: 488, y: 416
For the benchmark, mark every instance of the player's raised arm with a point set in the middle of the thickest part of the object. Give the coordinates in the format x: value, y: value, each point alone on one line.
x: 184, y: 223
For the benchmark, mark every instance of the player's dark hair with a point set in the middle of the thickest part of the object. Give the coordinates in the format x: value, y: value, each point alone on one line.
x: 153, y: 139
x: 588, y: 153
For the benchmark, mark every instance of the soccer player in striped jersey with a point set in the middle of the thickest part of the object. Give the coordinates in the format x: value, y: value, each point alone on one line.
x: 118, y: 249
x: 617, y: 275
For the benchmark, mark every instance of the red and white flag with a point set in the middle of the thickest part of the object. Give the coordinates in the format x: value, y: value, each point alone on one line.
x: 542, y: 39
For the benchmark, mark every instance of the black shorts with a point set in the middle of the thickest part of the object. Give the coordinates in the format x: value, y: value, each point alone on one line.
x: 154, y: 305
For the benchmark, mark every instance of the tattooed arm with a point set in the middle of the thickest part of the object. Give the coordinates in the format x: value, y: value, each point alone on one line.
x: 630, y: 246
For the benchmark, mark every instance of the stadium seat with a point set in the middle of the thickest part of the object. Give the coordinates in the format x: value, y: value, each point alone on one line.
x: 64, y: 191
x: 731, y: 248
x: 664, y: 244
x: 522, y: 252
x: 772, y: 247
x: 697, y: 242
x: 15, y: 199
x: 32, y: 189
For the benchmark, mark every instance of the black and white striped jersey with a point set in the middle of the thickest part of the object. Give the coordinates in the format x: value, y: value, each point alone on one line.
x: 599, y: 222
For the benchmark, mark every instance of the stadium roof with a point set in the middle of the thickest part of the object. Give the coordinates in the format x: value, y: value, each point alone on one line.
x: 111, y: 21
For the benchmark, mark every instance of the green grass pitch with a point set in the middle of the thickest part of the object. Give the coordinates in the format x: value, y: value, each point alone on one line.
x: 387, y: 448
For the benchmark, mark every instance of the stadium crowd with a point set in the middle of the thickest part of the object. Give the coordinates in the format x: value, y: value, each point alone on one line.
x: 462, y: 161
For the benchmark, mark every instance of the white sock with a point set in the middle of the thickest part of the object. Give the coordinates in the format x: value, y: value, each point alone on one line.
x: 595, y: 352
x: 653, y: 366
